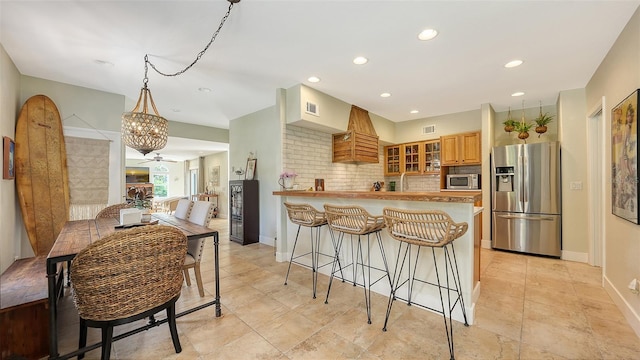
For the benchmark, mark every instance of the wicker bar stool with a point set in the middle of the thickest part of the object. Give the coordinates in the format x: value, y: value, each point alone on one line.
x: 433, y: 229
x: 356, y: 222
x: 307, y: 216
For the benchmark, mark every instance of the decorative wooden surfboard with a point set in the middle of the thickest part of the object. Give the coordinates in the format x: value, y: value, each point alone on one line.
x: 41, y: 172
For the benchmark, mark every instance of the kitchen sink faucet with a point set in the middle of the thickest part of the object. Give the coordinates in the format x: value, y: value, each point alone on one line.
x: 402, y: 182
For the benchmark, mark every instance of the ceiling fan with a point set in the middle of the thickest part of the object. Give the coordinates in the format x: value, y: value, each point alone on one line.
x: 157, y: 158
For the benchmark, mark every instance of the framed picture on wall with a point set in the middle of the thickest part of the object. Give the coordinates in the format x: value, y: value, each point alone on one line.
x: 8, y: 163
x: 624, y: 158
x: 251, y: 169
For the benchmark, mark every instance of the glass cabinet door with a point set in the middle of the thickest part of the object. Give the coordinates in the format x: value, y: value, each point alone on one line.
x: 412, y: 158
x: 432, y: 157
x: 236, y: 211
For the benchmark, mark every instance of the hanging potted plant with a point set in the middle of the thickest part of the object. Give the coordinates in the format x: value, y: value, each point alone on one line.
x: 523, y: 130
x: 509, y: 124
x: 542, y: 121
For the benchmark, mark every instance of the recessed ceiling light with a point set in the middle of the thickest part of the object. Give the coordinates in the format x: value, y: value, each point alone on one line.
x: 513, y: 63
x: 176, y: 110
x: 360, y: 60
x: 204, y: 89
x: 518, y: 93
x: 314, y: 79
x: 385, y: 95
x: 414, y: 111
x: 427, y: 34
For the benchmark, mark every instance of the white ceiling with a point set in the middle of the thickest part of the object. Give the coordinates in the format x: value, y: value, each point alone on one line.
x: 268, y: 44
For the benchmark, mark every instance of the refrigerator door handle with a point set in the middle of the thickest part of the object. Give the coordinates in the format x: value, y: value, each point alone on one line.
x: 526, y: 217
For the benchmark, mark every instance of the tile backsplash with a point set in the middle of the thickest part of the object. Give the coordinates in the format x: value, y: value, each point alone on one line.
x: 309, y: 154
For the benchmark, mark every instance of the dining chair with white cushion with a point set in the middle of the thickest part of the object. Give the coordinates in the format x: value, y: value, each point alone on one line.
x: 183, y: 208
x: 201, y: 214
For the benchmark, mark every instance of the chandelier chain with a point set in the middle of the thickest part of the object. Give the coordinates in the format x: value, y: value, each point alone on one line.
x: 200, y: 54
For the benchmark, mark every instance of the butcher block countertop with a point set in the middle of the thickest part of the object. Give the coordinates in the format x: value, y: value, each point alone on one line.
x: 445, y: 196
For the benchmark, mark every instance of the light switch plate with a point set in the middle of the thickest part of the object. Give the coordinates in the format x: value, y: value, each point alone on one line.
x: 575, y: 185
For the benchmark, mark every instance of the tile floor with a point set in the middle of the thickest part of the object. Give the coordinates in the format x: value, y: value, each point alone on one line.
x: 529, y: 308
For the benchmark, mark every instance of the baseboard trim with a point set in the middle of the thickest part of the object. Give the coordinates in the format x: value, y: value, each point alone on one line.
x: 267, y: 240
x: 627, y: 310
x: 575, y: 256
x: 485, y: 244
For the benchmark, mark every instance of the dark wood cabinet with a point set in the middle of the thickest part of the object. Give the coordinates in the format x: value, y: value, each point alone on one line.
x: 244, y: 214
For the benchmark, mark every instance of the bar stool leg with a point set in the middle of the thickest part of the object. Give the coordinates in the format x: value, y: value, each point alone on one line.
x: 335, y: 261
x: 314, y: 264
x: 395, y: 284
x: 448, y: 327
x: 456, y: 279
x: 293, y: 251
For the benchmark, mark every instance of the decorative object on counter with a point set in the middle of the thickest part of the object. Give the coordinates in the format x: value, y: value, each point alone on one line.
x: 286, y: 179
x: 392, y: 186
x: 378, y: 186
x: 510, y: 123
x: 625, y: 192
x: 251, y: 169
x: 319, y: 184
x: 148, y: 132
x: 541, y: 121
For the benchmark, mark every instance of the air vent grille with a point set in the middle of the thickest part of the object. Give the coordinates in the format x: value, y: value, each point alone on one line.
x: 429, y: 129
x: 312, y: 109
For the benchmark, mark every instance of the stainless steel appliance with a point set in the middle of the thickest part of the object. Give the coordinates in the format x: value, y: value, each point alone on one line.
x: 463, y: 181
x: 526, y: 198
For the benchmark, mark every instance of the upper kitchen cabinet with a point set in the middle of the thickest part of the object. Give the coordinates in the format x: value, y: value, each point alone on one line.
x: 412, y: 154
x: 392, y: 160
x: 431, y: 157
x: 461, y: 149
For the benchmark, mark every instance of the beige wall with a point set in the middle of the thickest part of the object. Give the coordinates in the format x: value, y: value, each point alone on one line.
x: 448, y: 124
x: 333, y: 114
x: 11, y: 227
x: 573, y: 146
x: 260, y: 133
x: 618, y: 76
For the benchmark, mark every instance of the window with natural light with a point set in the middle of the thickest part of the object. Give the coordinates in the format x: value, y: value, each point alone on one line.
x: 160, y: 179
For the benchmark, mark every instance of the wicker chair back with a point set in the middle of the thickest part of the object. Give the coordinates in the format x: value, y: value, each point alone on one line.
x: 305, y: 215
x: 128, y: 272
x: 352, y: 219
x: 113, y: 211
x: 422, y: 227
x: 183, y: 208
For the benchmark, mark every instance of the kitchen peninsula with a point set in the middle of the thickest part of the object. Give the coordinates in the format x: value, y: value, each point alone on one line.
x: 458, y: 204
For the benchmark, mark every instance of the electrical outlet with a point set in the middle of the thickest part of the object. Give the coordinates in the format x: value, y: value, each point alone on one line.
x: 575, y: 185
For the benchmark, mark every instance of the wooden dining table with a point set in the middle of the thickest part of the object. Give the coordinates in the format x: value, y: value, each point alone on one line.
x: 77, y: 235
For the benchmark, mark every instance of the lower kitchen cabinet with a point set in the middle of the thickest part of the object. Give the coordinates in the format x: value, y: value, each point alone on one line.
x: 244, y: 214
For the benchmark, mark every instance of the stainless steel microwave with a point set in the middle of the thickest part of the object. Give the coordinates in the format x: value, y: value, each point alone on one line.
x: 463, y: 181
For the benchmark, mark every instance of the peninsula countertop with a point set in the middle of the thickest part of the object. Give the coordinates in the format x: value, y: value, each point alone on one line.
x: 436, y: 196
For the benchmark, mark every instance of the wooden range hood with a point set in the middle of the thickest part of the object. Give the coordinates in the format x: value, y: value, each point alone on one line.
x: 359, y: 144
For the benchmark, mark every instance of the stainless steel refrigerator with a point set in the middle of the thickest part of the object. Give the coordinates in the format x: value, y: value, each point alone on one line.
x: 526, y: 198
